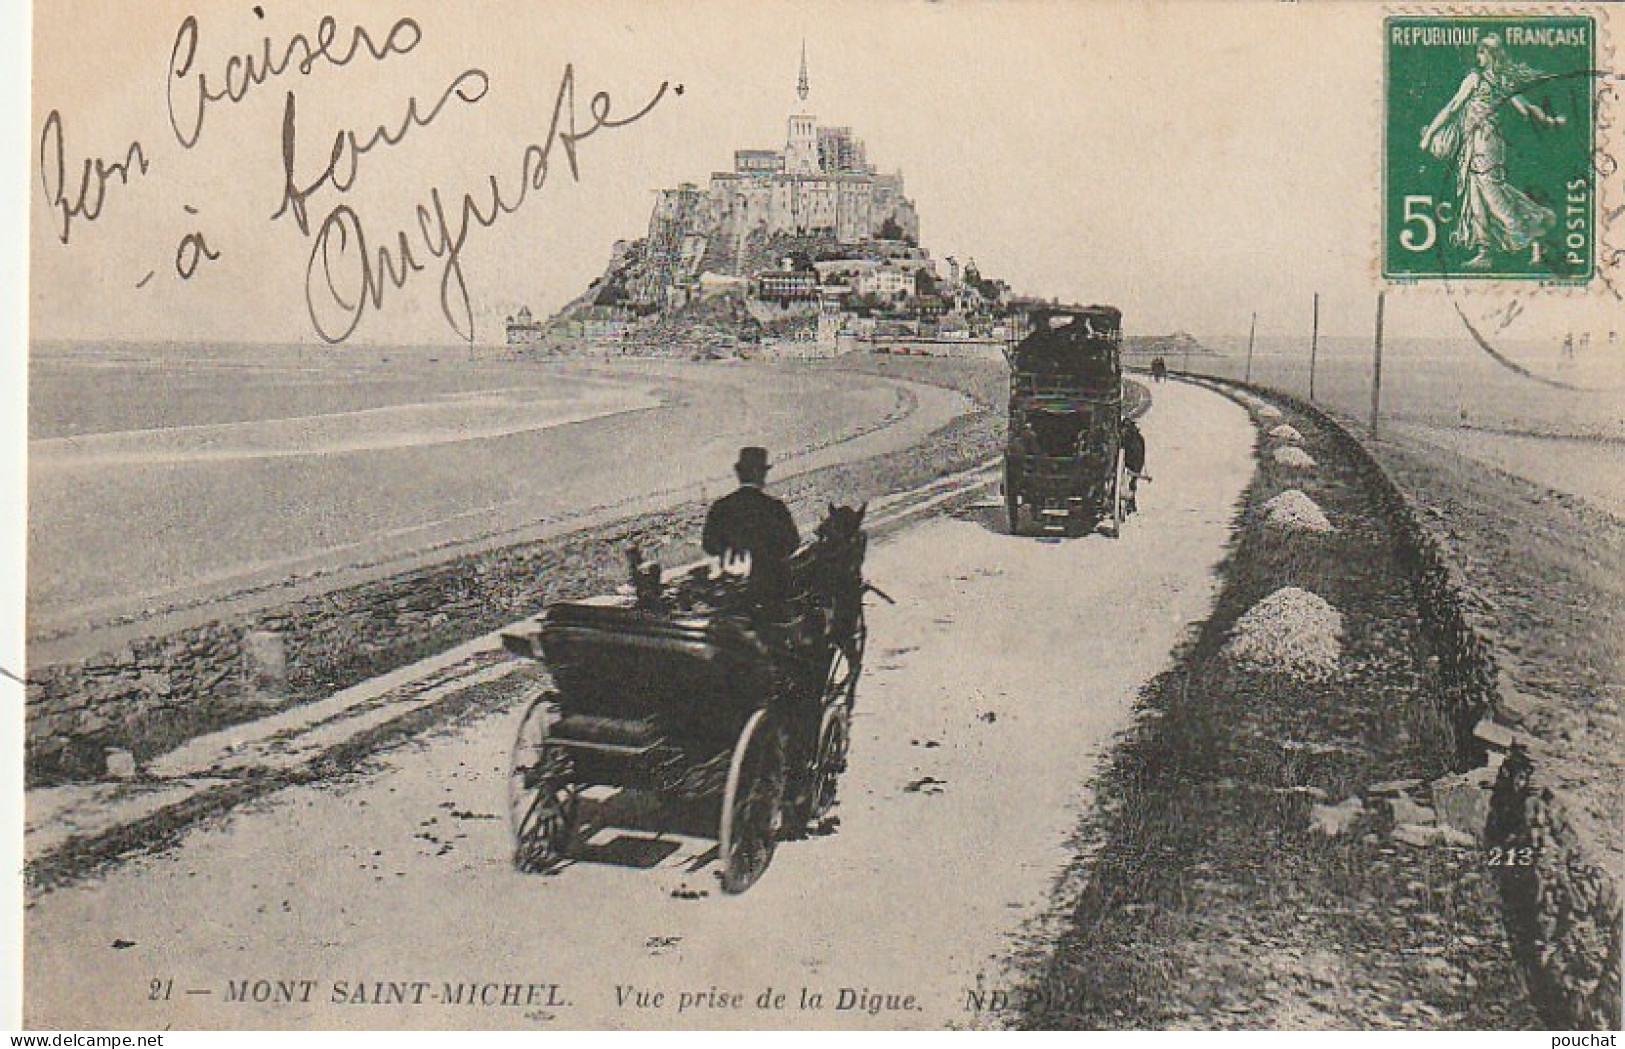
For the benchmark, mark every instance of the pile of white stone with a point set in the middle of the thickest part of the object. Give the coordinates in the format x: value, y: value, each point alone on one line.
x: 1262, y: 410
x: 1286, y: 433
x: 1293, y: 632
x: 1294, y: 457
x: 1293, y: 511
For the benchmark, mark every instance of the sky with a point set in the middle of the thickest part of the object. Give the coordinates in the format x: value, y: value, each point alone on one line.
x: 1190, y: 163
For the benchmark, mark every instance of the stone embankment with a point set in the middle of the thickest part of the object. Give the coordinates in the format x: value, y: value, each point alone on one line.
x: 155, y: 693
x: 1561, y: 897
x: 1268, y: 849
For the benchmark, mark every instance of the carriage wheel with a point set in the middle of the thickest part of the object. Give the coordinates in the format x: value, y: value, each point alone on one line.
x: 833, y: 740
x: 752, y: 803
x: 541, y: 797
x: 845, y: 664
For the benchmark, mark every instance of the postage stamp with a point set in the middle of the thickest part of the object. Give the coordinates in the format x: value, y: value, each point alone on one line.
x: 1490, y: 132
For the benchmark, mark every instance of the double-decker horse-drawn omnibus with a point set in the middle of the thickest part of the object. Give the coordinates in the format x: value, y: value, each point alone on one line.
x: 1062, y: 457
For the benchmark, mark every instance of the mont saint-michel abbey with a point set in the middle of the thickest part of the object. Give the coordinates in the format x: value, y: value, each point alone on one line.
x: 809, y: 227
x: 820, y: 185
x: 820, y: 182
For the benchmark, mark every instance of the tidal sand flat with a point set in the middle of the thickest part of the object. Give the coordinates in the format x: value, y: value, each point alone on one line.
x: 1594, y: 470
x: 224, y: 467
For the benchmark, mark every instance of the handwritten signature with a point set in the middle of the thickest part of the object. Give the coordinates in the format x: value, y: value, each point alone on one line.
x: 347, y: 273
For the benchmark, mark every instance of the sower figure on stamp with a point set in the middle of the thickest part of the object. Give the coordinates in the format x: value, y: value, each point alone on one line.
x: 749, y: 524
x: 1491, y: 214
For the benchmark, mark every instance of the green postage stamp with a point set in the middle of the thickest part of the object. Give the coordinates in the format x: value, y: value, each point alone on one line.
x: 1488, y: 159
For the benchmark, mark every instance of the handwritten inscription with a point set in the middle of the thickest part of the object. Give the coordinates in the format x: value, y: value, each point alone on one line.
x: 344, y: 159
x: 345, y: 275
x: 243, y: 72
x: 351, y: 269
x: 95, y: 174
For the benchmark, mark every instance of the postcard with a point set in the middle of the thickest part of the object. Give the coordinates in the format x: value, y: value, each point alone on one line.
x: 881, y: 516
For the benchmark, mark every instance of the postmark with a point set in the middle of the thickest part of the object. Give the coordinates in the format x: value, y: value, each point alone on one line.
x: 1490, y: 136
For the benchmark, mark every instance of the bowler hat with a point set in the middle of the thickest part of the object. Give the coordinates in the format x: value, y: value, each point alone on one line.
x: 752, y: 460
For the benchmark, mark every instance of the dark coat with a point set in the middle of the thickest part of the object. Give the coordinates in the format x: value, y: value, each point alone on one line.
x: 751, y: 521
x: 1133, y: 448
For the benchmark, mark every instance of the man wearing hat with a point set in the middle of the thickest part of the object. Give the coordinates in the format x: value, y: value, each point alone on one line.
x: 748, y: 521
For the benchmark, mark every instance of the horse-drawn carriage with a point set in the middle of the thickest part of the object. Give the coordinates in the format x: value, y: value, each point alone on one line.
x: 693, y: 690
x: 1062, y: 456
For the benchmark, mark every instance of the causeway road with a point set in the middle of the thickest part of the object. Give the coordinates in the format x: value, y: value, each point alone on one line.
x: 385, y: 897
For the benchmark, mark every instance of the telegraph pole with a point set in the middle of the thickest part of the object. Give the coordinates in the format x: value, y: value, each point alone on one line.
x: 1314, y: 347
x: 1376, y: 371
x: 1251, y: 333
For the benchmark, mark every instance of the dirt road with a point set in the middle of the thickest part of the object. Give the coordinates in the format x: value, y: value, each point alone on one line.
x: 994, y: 688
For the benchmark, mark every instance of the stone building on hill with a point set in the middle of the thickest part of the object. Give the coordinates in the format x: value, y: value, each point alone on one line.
x: 820, y: 182
x: 800, y: 236
x: 819, y: 189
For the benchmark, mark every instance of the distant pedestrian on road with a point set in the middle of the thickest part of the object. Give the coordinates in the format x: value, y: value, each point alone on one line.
x: 1159, y: 369
x: 748, y: 523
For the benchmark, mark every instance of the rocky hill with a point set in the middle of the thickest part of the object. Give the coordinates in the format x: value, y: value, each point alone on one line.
x: 705, y: 328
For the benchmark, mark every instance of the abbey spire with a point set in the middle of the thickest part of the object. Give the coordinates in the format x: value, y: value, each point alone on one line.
x: 801, y: 139
x: 801, y: 81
